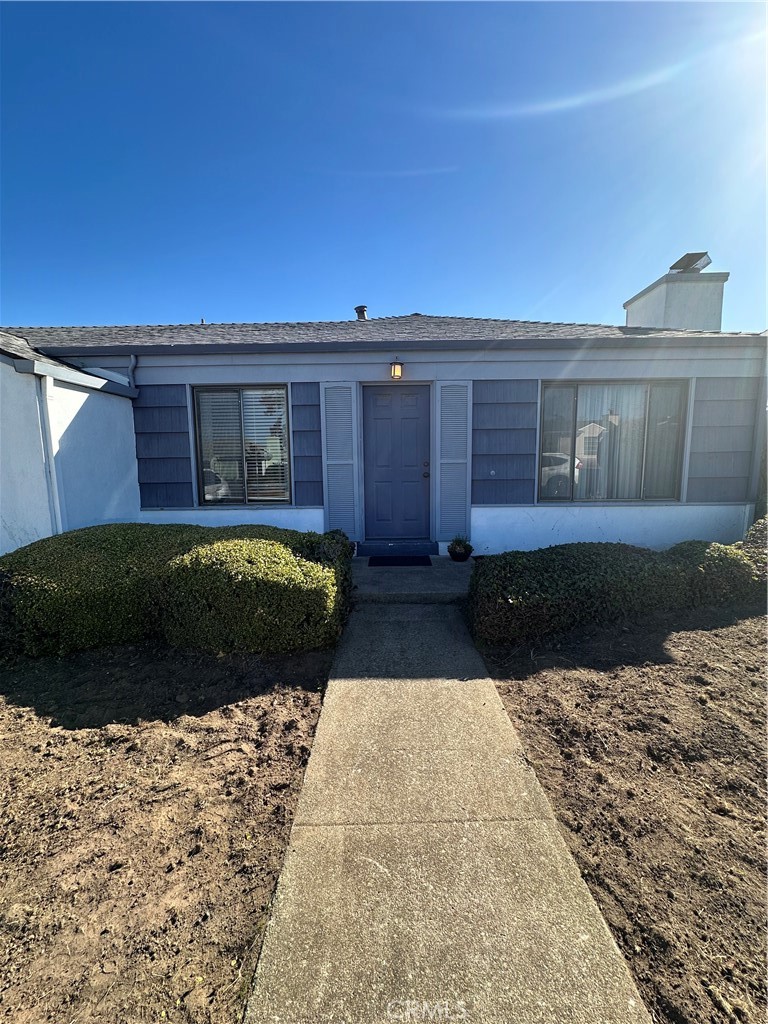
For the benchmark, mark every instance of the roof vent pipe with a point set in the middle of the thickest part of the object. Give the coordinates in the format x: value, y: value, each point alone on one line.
x: 362, y: 312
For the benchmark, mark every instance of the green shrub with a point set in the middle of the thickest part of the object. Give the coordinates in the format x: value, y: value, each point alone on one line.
x: 717, y: 573
x: 102, y: 585
x: 86, y: 588
x: 249, y: 595
x: 755, y: 547
x: 522, y: 595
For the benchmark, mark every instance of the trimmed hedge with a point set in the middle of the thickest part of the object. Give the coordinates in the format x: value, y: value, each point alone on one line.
x: 249, y: 595
x: 524, y: 595
x: 106, y: 584
x: 717, y: 573
x: 755, y: 547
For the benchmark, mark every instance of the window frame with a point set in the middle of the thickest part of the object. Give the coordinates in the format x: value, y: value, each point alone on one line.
x: 245, y: 503
x: 648, y: 384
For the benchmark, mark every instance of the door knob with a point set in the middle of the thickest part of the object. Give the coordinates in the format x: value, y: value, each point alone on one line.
x: 425, y: 475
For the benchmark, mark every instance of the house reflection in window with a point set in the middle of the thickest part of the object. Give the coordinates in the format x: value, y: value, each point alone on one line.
x: 626, y: 439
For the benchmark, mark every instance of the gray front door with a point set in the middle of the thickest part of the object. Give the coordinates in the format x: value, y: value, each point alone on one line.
x: 397, y: 470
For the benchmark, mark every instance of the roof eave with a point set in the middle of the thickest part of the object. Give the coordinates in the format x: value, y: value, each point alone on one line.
x: 632, y: 341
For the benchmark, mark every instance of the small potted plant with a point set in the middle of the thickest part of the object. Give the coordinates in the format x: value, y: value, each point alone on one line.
x: 460, y: 549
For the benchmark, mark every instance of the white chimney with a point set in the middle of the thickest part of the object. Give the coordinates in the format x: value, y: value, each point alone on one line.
x: 684, y: 299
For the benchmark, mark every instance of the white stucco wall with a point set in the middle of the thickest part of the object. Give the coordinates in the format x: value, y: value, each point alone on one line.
x: 695, y: 305
x: 94, y: 454
x: 690, y: 302
x: 25, y: 512
x: 648, y: 310
x: 523, y: 528
x: 288, y: 518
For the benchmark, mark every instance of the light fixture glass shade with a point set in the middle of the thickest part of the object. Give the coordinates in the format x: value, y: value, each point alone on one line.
x: 396, y: 370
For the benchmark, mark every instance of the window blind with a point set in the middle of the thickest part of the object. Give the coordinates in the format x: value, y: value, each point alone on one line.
x: 243, y: 449
x: 265, y: 434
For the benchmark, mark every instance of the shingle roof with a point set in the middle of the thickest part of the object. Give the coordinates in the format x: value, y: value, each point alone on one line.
x: 18, y: 348
x: 413, y: 330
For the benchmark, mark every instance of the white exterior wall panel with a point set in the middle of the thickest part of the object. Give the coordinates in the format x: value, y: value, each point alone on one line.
x: 523, y: 528
x: 25, y: 510
x: 94, y: 455
x: 285, y: 517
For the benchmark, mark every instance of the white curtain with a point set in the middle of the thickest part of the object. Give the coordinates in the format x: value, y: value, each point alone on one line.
x: 663, y: 448
x: 611, y: 467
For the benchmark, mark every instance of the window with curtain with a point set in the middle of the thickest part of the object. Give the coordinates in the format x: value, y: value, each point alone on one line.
x: 612, y: 442
x: 242, y: 444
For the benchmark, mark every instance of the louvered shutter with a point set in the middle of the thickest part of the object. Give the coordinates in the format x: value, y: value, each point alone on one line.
x: 339, y: 410
x: 454, y: 449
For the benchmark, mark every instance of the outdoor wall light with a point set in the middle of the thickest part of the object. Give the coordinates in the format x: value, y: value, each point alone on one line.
x: 396, y: 369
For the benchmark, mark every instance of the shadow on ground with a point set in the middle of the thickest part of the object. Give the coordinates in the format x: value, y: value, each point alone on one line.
x: 126, y: 685
x: 614, y: 646
x: 146, y: 682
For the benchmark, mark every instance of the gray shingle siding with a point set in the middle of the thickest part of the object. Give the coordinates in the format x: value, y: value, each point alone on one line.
x: 163, y: 446
x: 307, y: 445
x: 161, y: 423
x: 165, y: 471
x: 165, y: 495
x: 722, y: 438
x: 502, y: 492
x: 504, y: 442
x: 161, y: 420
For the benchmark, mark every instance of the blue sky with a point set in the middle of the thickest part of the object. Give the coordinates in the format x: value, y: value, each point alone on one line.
x: 259, y: 162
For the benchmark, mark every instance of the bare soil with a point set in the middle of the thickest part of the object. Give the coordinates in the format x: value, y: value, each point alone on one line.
x: 146, y: 797
x: 650, y: 741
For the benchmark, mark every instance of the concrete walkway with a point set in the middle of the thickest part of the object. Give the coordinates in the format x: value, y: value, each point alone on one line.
x: 426, y: 878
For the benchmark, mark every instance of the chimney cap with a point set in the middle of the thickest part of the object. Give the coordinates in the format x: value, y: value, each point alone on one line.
x: 691, y: 263
x: 362, y: 312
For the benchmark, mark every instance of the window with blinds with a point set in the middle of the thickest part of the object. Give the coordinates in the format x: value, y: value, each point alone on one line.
x: 242, y: 444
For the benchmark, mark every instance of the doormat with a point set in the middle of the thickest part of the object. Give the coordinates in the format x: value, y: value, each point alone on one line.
x: 397, y: 560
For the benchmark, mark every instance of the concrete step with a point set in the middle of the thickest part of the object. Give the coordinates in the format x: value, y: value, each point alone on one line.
x: 443, y: 582
x: 365, y: 549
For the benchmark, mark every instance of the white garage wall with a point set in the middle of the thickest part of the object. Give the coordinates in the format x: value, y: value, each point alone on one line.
x: 25, y: 512
x: 94, y: 455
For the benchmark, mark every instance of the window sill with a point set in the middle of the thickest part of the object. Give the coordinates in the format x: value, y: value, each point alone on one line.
x: 609, y: 502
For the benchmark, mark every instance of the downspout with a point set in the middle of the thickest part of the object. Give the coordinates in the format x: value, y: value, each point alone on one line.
x: 52, y: 484
x: 132, y: 364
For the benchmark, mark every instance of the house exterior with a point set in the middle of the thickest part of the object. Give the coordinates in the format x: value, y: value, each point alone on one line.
x: 67, y: 454
x: 412, y: 429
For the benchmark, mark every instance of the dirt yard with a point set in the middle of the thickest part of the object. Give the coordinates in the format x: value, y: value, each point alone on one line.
x: 650, y: 741
x: 146, y: 798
